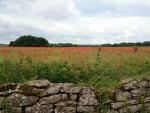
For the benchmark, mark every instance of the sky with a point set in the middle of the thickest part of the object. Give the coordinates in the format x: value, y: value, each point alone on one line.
x: 76, y: 21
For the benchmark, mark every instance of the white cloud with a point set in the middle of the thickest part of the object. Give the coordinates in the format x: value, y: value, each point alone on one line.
x: 127, y: 2
x: 47, y: 9
x: 75, y: 21
x: 117, y: 9
x: 127, y: 8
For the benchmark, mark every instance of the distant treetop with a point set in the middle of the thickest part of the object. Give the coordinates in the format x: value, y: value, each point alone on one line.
x: 29, y: 41
x: 125, y: 44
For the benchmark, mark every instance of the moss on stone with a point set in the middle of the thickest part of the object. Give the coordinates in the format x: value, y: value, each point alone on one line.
x: 6, y: 87
x: 112, y: 96
x: 120, y: 87
x: 29, y: 90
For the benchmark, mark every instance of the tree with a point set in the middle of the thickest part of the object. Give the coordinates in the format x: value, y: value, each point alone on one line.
x: 42, y: 42
x: 146, y: 43
x: 29, y: 41
x: 139, y: 44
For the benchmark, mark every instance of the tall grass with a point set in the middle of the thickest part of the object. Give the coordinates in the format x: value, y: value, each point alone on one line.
x: 101, y: 68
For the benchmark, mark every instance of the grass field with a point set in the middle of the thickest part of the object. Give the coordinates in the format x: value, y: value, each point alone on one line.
x: 101, y: 68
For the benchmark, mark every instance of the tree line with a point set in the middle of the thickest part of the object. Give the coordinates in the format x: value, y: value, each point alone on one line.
x: 125, y: 44
x: 33, y: 41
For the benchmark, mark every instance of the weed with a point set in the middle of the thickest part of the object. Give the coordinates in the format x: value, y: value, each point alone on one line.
x: 135, y: 48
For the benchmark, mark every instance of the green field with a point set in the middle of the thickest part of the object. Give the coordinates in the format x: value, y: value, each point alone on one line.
x: 101, y: 68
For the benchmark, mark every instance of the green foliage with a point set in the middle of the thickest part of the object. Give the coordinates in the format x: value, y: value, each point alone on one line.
x: 29, y: 41
x: 125, y: 44
x: 25, y: 70
x: 20, y: 71
x: 103, y: 76
x: 98, y: 57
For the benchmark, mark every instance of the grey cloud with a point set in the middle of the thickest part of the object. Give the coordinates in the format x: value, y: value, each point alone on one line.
x: 125, y: 8
x: 90, y: 7
x: 47, y: 9
x: 75, y: 21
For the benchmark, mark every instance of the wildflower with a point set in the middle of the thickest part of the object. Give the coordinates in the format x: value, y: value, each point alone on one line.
x: 141, y: 60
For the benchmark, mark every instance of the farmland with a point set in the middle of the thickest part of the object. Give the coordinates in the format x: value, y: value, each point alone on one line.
x: 101, y: 68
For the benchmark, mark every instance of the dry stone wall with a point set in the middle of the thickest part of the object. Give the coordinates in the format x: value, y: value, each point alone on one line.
x: 41, y: 96
x: 131, y: 96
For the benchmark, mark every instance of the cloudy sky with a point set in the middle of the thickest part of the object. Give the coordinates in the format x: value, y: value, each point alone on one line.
x: 76, y: 21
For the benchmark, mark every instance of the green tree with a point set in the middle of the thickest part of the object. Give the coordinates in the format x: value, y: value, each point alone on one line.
x: 139, y: 44
x: 146, y: 43
x: 42, y: 42
x: 29, y: 41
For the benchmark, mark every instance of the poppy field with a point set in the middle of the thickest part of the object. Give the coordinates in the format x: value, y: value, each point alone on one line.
x: 98, y: 67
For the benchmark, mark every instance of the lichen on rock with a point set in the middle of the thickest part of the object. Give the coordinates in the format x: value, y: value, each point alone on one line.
x: 28, y: 90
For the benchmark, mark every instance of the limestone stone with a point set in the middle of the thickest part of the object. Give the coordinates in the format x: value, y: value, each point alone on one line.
x: 122, y: 96
x: 147, y: 91
x: 84, y: 109
x: 68, y: 84
x: 126, y: 81
x: 139, y: 80
x: 53, y: 99
x: 71, y: 89
x: 70, y: 109
x: 148, y: 78
x: 144, y: 84
x: 87, y: 99
x: 133, y: 101
x: 21, y: 100
x: 133, y: 108
x: 51, y: 90
x: 87, y: 90
x: 16, y: 110
x: 1, y: 100
x: 40, y: 109
x: 123, y: 110
x: 136, y: 93
x: 130, y: 86
x: 68, y: 103
x: 39, y: 83
x: 147, y: 99
x: 73, y: 97
x: 117, y: 105
x: 62, y: 84
x: 111, y: 111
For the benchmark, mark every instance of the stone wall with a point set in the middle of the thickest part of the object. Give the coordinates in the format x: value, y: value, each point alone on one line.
x: 41, y: 96
x: 131, y: 96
